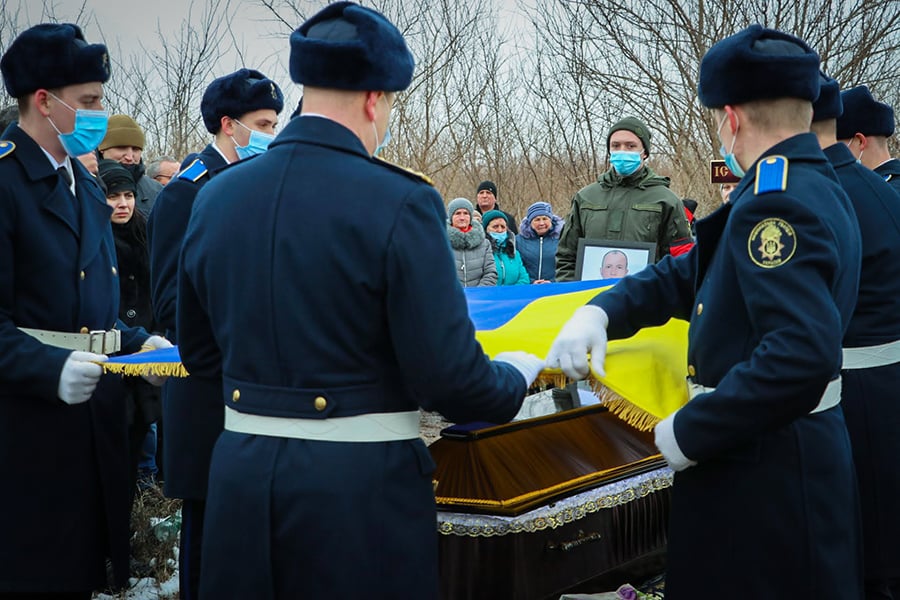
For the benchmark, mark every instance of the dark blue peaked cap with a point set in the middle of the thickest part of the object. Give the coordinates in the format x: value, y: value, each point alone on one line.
x: 864, y: 114
x: 758, y: 64
x: 346, y: 46
x: 828, y: 105
x: 52, y: 55
x: 237, y: 94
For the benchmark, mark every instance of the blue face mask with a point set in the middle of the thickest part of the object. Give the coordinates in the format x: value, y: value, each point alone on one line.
x: 500, y: 238
x: 730, y: 159
x: 379, y: 146
x: 89, y: 131
x: 625, y: 163
x: 257, y: 144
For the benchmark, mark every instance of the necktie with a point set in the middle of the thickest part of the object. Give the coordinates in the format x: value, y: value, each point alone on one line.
x: 64, y: 173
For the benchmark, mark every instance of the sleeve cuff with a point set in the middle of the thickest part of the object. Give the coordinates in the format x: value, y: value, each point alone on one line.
x: 668, y: 445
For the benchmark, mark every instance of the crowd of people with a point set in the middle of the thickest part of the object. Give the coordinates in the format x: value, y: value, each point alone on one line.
x: 295, y: 439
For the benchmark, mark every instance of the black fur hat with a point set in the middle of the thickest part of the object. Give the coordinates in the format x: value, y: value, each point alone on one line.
x: 237, y: 94
x: 52, y: 55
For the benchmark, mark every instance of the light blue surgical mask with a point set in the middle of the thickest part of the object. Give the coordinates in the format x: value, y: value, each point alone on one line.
x: 730, y: 159
x: 89, y: 131
x: 257, y: 144
x: 499, y: 237
x: 625, y: 163
x: 379, y: 146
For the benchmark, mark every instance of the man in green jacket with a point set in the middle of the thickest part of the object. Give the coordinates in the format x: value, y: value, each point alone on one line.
x: 628, y: 202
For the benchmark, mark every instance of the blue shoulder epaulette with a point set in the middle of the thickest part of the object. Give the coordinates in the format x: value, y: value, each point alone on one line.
x: 194, y: 171
x: 408, y: 172
x: 6, y: 148
x: 771, y: 174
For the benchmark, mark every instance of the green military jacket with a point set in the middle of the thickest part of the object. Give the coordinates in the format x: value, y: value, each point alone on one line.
x: 637, y: 208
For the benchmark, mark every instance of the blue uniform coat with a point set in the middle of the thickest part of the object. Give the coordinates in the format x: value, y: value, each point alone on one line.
x: 316, y: 270
x: 869, y: 396
x: 890, y: 172
x: 65, y: 500
x: 192, y: 407
x: 770, y: 510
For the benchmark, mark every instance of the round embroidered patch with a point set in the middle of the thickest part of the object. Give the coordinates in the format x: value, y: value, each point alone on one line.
x: 772, y: 243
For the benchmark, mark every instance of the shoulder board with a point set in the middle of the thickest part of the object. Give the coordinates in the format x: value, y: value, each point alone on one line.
x: 194, y: 171
x: 887, y: 177
x: 408, y: 172
x: 771, y: 174
x: 6, y: 148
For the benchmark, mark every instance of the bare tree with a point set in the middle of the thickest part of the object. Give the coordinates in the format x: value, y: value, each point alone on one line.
x: 644, y: 58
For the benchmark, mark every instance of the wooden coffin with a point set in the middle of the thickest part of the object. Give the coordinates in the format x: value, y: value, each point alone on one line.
x: 533, y: 508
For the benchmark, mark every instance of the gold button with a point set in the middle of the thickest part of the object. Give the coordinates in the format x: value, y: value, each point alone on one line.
x: 700, y: 309
x: 236, y: 395
x: 691, y: 370
x: 114, y: 271
x: 320, y: 403
x: 85, y: 330
x: 82, y: 274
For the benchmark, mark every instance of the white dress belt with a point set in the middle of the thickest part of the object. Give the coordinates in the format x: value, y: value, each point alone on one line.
x: 98, y: 342
x: 830, y: 398
x: 370, y: 427
x: 869, y: 357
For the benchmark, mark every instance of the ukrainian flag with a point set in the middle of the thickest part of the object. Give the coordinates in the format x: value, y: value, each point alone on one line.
x: 645, y: 374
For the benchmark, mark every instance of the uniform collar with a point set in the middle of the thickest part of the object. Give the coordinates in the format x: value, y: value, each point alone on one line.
x: 321, y: 131
x: 839, y: 154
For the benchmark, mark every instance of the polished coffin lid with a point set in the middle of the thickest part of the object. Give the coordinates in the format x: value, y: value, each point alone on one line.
x: 513, y: 468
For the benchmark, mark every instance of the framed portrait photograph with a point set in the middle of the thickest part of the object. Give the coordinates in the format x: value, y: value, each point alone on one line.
x: 611, y: 259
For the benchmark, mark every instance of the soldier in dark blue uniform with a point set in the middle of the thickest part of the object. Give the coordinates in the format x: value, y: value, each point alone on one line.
x: 764, y: 503
x: 63, y: 450
x: 871, y: 369
x: 241, y: 110
x: 318, y: 281
x: 865, y: 126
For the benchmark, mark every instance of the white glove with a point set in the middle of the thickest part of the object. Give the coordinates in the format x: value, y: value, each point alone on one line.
x: 155, y: 342
x: 79, y: 376
x: 583, y: 333
x: 529, y: 365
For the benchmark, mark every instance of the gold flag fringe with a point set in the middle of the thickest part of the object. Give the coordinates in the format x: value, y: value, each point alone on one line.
x: 632, y: 414
x: 159, y: 369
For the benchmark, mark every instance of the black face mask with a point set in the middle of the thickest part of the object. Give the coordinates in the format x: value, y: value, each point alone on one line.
x: 137, y: 171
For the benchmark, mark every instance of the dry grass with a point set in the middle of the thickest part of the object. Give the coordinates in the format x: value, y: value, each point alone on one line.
x: 150, y: 544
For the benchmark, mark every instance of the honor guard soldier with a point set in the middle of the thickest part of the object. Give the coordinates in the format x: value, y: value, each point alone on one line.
x: 764, y: 471
x: 871, y: 368
x: 241, y: 110
x: 865, y: 126
x: 63, y: 454
x: 317, y: 281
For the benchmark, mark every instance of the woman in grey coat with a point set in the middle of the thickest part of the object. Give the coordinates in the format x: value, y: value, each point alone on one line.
x: 474, y: 258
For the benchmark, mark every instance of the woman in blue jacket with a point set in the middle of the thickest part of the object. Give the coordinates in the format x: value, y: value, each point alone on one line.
x: 537, y: 241
x: 510, y: 270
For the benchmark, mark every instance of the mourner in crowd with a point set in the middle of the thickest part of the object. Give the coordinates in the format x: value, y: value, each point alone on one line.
x: 628, y: 202
x: 474, y: 257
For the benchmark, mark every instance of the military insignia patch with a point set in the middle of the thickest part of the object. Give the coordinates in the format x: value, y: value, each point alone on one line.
x: 193, y: 171
x: 772, y: 243
x: 6, y: 148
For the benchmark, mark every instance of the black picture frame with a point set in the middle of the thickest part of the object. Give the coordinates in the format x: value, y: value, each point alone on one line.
x: 591, y: 254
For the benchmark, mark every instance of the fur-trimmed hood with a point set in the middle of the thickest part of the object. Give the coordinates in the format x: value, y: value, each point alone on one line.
x: 465, y: 241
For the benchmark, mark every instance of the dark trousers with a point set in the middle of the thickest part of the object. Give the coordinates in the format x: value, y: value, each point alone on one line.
x: 883, y: 589
x: 191, y: 548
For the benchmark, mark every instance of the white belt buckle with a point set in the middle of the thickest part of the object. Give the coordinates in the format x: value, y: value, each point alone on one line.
x: 105, y: 342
